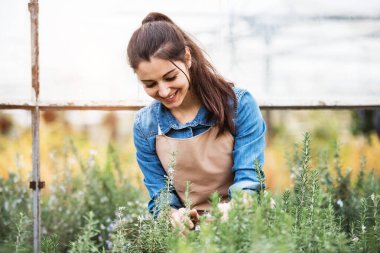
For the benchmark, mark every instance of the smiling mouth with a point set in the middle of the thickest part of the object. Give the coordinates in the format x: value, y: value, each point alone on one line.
x: 171, y: 98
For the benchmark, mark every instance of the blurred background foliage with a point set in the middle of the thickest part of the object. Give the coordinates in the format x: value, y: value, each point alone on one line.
x: 357, y: 137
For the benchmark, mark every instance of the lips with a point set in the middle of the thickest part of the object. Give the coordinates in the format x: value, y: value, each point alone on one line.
x: 171, y: 98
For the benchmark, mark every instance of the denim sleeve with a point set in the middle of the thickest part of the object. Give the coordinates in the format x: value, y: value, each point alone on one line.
x: 150, y: 165
x: 249, y: 146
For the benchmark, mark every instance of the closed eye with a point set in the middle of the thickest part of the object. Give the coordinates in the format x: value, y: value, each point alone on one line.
x: 149, y: 85
x: 169, y: 79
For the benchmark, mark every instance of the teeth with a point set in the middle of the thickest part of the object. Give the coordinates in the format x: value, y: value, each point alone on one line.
x: 172, y: 95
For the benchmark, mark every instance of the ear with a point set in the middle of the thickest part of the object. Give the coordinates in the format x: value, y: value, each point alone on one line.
x: 188, y: 57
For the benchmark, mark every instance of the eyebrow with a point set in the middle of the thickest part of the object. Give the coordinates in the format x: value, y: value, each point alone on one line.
x: 163, y: 76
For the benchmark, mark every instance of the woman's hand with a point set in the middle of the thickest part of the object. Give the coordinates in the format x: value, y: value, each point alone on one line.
x: 179, y: 218
x: 224, y: 209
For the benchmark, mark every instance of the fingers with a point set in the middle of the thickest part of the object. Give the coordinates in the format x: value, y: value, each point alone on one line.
x: 179, y: 218
x: 224, y: 208
x: 194, y: 216
x: 190, y: 224
x: 209, y: 217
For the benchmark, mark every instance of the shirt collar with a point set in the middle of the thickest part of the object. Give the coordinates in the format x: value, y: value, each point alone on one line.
x: 167, y: 121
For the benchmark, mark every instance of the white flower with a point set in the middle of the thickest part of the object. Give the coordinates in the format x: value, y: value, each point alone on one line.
x: 93, y: 152
x: 340, y: 203
x: 52, y: 155
x: 355, y: 239
x: 272, y: 203
x: 363, y: 228
x: 109, y: 244
x: 111, y: 226
x: 171, y: 170
x: 373, y: 196
x: 16, y: 179
x: 171, y: 174
x: 52, y: 200
x: 71, y: 161
x: 140, y: 218
x: 18, y: 162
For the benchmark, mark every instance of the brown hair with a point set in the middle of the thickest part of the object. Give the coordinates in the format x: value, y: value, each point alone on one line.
x: 160, y: 37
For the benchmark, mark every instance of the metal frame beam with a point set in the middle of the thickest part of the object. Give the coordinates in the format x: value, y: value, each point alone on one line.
x: 267, y: 104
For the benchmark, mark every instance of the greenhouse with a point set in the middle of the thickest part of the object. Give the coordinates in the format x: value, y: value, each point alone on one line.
x: 91, y: 122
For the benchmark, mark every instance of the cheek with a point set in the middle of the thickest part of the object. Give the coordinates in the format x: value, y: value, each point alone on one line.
x: 183, y: 82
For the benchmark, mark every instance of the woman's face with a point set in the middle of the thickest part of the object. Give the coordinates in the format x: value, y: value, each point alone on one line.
x: 163, y: 81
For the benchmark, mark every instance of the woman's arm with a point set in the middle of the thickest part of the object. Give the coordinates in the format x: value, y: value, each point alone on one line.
x: 150, y: 165
x: 249, y: 145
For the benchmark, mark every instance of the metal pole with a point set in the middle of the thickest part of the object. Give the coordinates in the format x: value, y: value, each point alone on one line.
x: 33, y: 9
x: 36, y: 185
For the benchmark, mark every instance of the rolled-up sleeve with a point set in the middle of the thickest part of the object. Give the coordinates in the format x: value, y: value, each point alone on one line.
x: 248, y: 147
x: 150, y: 165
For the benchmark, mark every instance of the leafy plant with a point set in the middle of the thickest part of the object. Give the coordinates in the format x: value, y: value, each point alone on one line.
x: 84, y: 242
x: 323, y: 212
x: 309, y: 218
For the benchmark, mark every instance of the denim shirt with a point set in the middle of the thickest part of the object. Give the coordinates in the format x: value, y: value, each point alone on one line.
x: 249, y: 142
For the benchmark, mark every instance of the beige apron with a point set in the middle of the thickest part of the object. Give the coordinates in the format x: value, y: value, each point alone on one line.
x: 203, y: 160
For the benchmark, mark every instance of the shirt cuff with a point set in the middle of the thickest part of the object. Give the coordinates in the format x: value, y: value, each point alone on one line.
x: 174, y: 202
x: 250, y: 187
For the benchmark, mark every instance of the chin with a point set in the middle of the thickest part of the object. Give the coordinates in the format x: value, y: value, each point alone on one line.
x: 171, y: 105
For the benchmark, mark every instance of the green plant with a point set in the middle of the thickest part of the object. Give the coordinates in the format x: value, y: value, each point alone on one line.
x: 50, y: 244
x: 85, y: 242
x: 23, y: 236
x: 323, y: 212
x: 96, y: 188
x: 308, y: 218
x: 16, y: 210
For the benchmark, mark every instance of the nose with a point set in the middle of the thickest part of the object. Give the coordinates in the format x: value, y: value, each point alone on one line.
x: 163, y: 90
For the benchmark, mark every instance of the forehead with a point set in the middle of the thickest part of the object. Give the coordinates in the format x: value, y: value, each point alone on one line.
x: 153, y: 69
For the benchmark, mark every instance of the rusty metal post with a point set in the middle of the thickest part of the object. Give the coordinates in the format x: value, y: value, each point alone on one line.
x: 36, y: 184
x: 33, y: 9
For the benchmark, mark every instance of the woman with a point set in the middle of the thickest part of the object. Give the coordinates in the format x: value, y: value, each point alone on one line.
x: 215, y: 131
